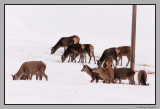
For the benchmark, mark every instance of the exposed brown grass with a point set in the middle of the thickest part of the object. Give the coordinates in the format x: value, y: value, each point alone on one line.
x: 97, y: 57
x: 151, y: 73
x: 145, y: 65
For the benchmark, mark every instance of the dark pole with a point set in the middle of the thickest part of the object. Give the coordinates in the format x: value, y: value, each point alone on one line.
x: 133, y: 39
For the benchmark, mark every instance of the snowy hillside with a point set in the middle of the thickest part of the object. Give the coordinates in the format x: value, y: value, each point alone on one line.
x: 31, y: 31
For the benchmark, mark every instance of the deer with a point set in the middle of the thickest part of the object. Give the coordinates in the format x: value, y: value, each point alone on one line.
x: 94, y: 76
x: 86, y: 49
x: 65, y: 42
x: 124, y: 74
x: 111, y: 53
x: 30, y: 68
x: 74, y: 48
x: 124, y: 51
x: 142, y: 78
x: 107, y: 74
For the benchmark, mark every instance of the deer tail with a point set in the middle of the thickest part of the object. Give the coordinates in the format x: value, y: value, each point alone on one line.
x: 44, y: 64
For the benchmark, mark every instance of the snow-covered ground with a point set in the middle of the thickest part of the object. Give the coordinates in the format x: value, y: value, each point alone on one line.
x: 31, y: 31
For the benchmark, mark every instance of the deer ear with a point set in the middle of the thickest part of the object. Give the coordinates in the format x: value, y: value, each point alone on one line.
x: 12, y: 75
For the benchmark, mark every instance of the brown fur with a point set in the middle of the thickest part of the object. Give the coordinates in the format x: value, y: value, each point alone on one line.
x: 86, y: 48
x: 76, y: 39
x: 73, y: 49
x: 123, y: 74
x: 30, y: 68
x: 107, y: 63
x: 124, y: 51
x: 107, y: 74
x: 142, y: 77
x: 94, y: 76
x: 111, y: 53
x: 65, y: 42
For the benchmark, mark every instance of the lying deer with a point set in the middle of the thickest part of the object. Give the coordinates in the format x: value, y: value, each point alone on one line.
x: 124, y: 51
x: 111, y: 53
x: 65, y: 42
x: 94, y: 76
x: 86, y: 49
x: 31, y: 68
x: 107, y: 74
x: 142, y: 78
x: 123, y: 74
x: 74, y: 48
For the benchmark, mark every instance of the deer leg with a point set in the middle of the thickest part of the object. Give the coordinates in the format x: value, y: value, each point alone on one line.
x: 30, y: 76
x: 79, y: 59
x: 116, y: 62
x: 85, y: 57
x: 119, y: 81
x: 121, y: 60
x: 44, y: 75
x: 90, y: 58
x: 97, y: 79
x: 69, y: 57
x: 82, y: 58
x: 131, y: 81
x: 93, y: 57
x: 40, y: 77
x: 93, y: 79
x: 74, y: 55
x: 37, y: 76
x: 128, y: 60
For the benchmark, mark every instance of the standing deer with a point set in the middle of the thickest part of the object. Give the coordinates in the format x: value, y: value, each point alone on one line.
x: 142, y: 78
x: 111, y: 53
x: 94, y: 76
x: 107, y: 74
x: 74, y: 48
x: 86, y: 49
x: 29, y: 69
x: 123, y: 74
x: 65, y: 42
x: 124, y: 51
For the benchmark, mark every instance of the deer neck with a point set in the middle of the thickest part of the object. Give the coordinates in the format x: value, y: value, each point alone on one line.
x: 57, y: 46
x: 89, y: 71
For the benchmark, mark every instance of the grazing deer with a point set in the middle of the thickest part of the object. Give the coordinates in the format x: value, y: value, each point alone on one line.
x: 74, y: 48
x: 142, y: 78
x: 65, y: 42
x: 86, y: 48
x: 123, y: 74
x: 107, y: 74
x: 124, y: 51
x: 29, y: 69
x: 94, y: 76
x: 111, y: 53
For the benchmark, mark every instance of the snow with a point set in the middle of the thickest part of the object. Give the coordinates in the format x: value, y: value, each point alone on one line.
x: 31, y: 31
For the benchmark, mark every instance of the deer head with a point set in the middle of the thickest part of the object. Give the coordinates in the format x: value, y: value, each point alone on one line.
x: 84, y: 68
x: 52, y: 50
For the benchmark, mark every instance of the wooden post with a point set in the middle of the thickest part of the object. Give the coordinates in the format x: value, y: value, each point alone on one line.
x: 133, y: 39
